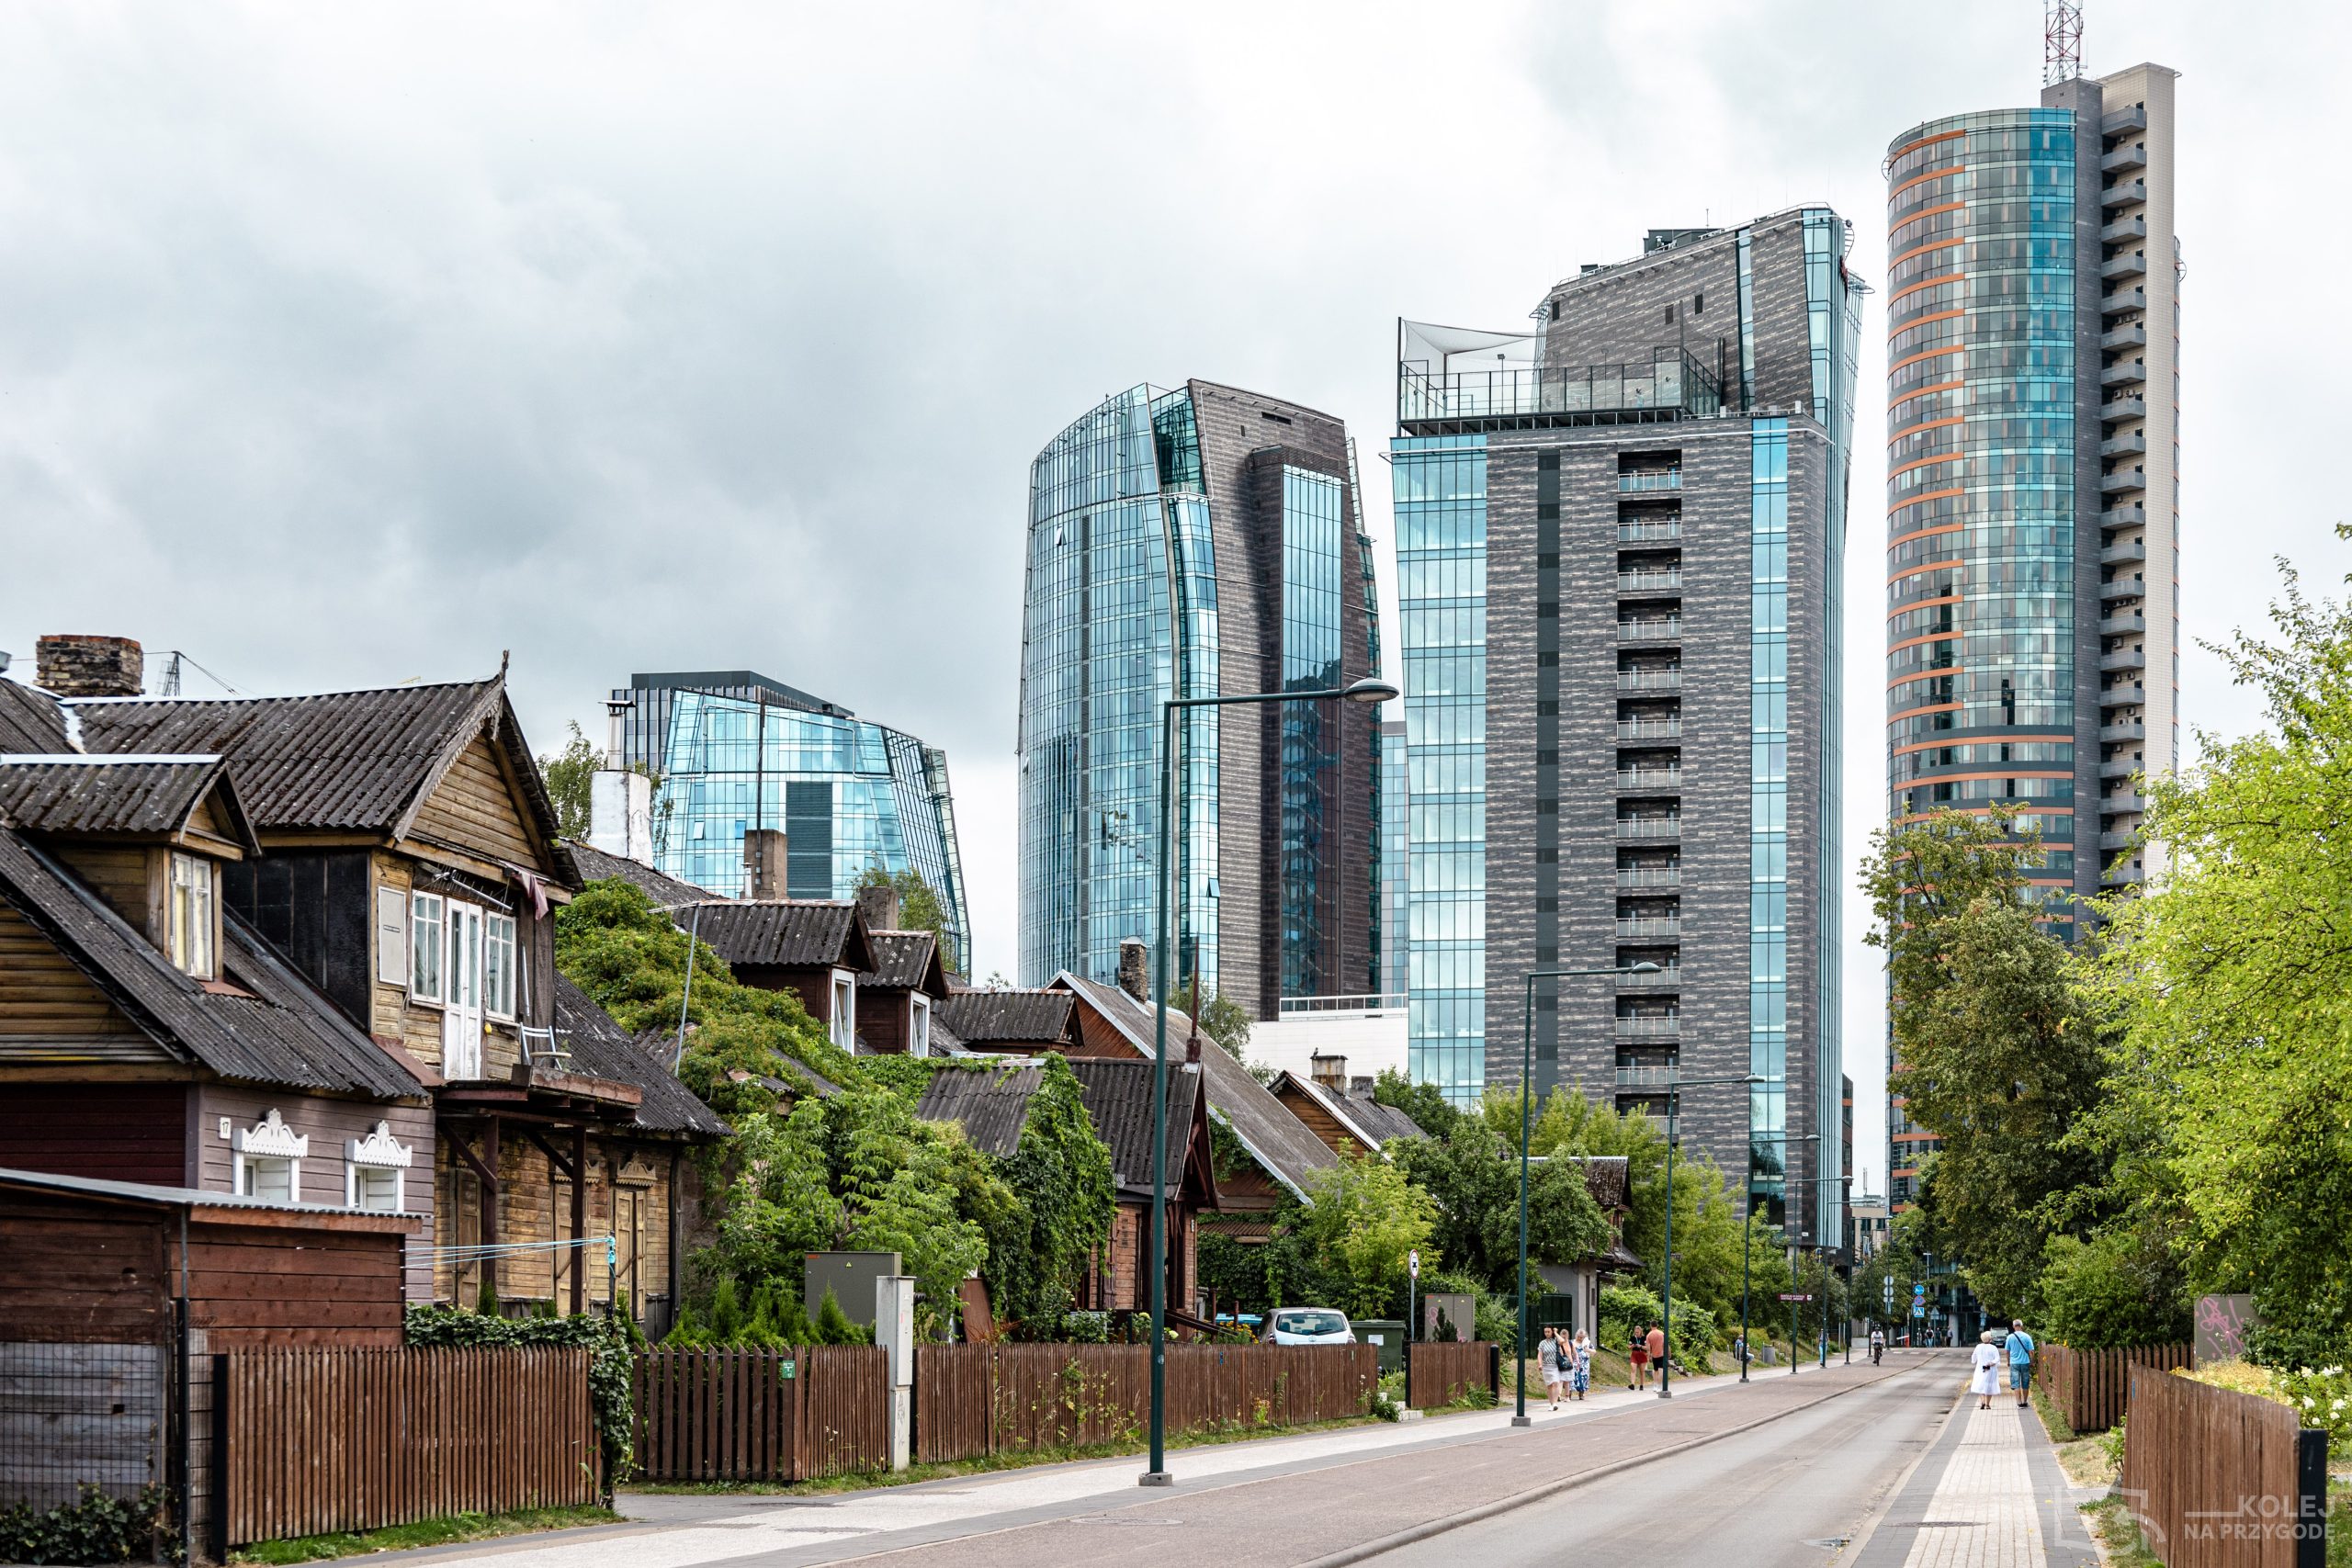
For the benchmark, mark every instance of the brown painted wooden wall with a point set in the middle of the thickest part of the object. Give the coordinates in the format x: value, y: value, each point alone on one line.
x: 82, y: 1273
x: 44, y: 995
x: 118, y: 1132
x: 288, y: 1285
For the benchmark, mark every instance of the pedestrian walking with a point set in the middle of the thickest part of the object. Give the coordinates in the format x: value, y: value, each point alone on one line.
x: 1581, y: 1363
x: 1657, y: 1348
x: 2019, y: 1346
x: 1986, y: 1376
x: 1639, y: 1353
x: 1878, y: 1344
x: 1548, y: 1361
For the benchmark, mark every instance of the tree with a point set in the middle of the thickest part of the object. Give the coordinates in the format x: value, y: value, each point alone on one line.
x: 1472, y: 1181
x: 1364, y: 1219
x: 1424, y: 1102
x: 1221, y: 1019
x: 919, y: 907
x: 569, y: 774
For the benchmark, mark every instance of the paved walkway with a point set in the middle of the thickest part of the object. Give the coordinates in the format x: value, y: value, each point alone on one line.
x: 1987, y: 1493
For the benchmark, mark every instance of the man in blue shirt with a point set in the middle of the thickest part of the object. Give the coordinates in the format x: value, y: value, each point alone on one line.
x: 2020, y: 1348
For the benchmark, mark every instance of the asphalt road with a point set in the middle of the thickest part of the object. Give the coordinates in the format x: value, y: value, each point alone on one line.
x: 1790, y: 1493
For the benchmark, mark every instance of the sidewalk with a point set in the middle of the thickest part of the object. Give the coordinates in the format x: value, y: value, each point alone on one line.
x: 1987, y: 1493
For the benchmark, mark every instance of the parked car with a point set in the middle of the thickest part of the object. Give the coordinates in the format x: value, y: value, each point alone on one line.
x: 1309, y: 1325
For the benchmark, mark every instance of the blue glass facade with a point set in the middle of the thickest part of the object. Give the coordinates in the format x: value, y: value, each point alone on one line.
x: 1309, y: 755
x: 1440, y: 519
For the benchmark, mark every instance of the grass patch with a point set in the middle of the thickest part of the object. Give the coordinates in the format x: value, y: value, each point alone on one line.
x: 2053, y: 1420
x: 445, y: 1531
x: 2119, y: 1535
x: 869, y: 1480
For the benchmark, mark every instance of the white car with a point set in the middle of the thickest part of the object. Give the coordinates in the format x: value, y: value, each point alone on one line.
x: 1309, y: 1325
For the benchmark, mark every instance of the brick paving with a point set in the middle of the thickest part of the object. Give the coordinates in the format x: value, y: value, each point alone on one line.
x: 1983, y: 1513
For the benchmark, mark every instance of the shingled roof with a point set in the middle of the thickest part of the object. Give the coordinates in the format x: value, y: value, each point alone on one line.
x: 596, y: 865
x: 1011, y: 1017
x: 991, y: 1101
x: 906, y: 961
x: 73, y: 793
x: 354, y: 761
x: 1280, y: 1142
x: 261, y: 1023
x: 602, y: 1048
x: 790, y: 933
x: 30, y: 720
x: 1118, y: 1101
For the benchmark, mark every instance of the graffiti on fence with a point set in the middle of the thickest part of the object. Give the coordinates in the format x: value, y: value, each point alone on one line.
x: 2222, y: 1325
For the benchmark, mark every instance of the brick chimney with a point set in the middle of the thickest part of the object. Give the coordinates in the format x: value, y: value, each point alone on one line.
x: 1134, y: 969
x: 79, y: 666
x: 882, y: 907
x: 763, y: 864
x: 1329, y: 1071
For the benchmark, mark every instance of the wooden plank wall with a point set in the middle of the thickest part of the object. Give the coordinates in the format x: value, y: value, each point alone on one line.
x: 2212, y: 1473
x: 43, y: 995
x: 117, y: 1132
x: 255, y: 1285
x: 82, y: 1272
x: 341, y: 1439
x: 1437, y: 1374
x: 81, y: 1414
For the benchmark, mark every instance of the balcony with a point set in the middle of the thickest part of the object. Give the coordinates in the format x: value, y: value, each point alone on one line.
x: 1642, y: 480
x: 2123, y: 588
x: 2129, y: 729
x: 2130, y: 514
x: 2130, y: 373
x: 2128, y: 156
x: 2122, y: 122
x: 2123, y: 229
x: 2131, y: 441
x: 2125, y: 193
x: 2127, y: 550
x: 2130, y: 696
x: 2120, y: 767
x: 2119, y: 838
x: 1669, y: 876
x: 2121, y: 876
x: 2122, y: 300
x: 1651, y: 1079
x: 1649, y: 680
x: 1649, y: 827
x: 1667, y: 928
x: 1667, y: 978
x: 1434, y: 398
x: 2114, y: 408
x: 2131, y: 334
x: 2123, y: 623
x: 1649, y: 1029
x: 2124, y: 659
x: 1664, y: 629
x: 2116, y: 483
x: 2122, y: 805
x: 1649, y: 778
x: 1649, y: 729
x: 1630, y: 532
x: 1648, y: 582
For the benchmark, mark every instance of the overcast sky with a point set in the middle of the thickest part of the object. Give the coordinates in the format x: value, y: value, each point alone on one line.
x: 341, y: 344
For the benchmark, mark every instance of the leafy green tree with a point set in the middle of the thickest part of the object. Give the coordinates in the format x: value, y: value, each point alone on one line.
x: 1424, y: 1102
x: 1365, y: 1218
x: 1473, y: 1182
x: 2119, y: 1287
x: 1221, y: 1020
x: 568, y: 775
x: 2231, y: 980
x: 1061, y: 1173
x: 919, y: 907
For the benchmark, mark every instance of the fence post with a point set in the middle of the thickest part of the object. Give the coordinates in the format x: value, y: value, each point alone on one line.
x: 221, y: 1458
x: 1494, y: 1371
x: 2310, y: 1498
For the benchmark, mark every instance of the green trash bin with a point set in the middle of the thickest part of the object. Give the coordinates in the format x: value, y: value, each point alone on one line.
x: 1386, y: 1335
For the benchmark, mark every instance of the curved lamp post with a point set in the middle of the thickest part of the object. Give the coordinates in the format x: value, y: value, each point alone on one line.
x: 1526, y: 1089
x: 1367, y: 690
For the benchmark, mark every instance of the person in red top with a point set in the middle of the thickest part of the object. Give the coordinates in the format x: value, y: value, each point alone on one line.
x: 1657, y: 1348
x: 1639, y: 1353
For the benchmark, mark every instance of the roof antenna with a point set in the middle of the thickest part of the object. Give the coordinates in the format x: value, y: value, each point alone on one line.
x: 2062, y: 41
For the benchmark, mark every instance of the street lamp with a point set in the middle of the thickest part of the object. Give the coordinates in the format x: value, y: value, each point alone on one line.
x: 1746, y: 1238
x: 1365, y: 691
x: 1526, y: 1091
x: 1673, y: 1136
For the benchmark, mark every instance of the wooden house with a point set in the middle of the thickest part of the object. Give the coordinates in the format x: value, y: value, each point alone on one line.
x: 411, y: 871
x: 897, y: 998
x: 815, y: 948
x: 1349, y: 1124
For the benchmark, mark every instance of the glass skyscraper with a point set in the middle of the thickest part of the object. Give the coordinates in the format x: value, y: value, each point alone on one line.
x: 1195, y: 542
x: 735, y: 751
x: 1619, y: 539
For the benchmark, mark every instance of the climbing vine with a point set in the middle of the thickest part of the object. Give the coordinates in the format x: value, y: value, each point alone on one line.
x: 614, y: 1342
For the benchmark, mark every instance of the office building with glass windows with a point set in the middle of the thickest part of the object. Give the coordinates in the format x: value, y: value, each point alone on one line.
x: 1196, y: 541
x: 2033, y: 505
x: 1619, y: 546
x: 737, y: 752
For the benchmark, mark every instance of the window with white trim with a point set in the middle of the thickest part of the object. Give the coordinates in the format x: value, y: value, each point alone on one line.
x: 376, y: 1171
x: 845, y: 1019
x: 919, y: 1025
x: 425, y: 918
x: 497, y: 965
x: 266, y: 1159
x: 189, y: 916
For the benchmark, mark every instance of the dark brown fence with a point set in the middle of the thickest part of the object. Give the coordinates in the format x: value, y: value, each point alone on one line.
x: 761, y: 1415
x: 974, y: 1400
x: 2220, y: 1479
x: 1438, y: 1372
x: 2092, y: 1387
x: 351, y: 1440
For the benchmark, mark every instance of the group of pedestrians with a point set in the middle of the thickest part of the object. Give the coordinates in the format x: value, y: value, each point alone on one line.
x: 2016, y: 1348
x: 1565, y: 1361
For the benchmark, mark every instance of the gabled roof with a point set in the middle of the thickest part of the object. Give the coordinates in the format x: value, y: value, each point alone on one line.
x: 906, y: 961
x: 1006, y: 1017
x: 1386, y: 1121
x: 351, y: 761
x: 602, y: 1048
x: 596, y: 865
x: 1286, y: 1146
x: 991, y: 1101
x: 262, y: 1024
x: 1369, y: 1124
x: 30, y: 720
x: 1118, y: 1101
x: 790, y: 933
x: 75, y: 792
x: 215, y: 1207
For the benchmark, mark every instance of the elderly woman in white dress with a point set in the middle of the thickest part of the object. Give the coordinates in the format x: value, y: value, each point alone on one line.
x: 1986, y: 1379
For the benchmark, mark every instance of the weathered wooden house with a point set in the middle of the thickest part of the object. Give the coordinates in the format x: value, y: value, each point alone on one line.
x: 815, y: 948
x: 897, y: 998
x: 410, y: 870
x: 1015, y: 1022
x: 1349, y: 1123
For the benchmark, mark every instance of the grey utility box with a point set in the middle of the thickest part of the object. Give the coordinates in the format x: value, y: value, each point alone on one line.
x: 851, y: 1276
x: 1386, y: 1337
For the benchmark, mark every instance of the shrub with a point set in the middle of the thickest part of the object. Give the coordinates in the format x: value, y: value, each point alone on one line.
x: 1086, y: 1327
x: 612, y: 1370
x: 1626, y: 1309
x: 93, y: 1529
x: 2113, y: 1290
x: 834, y: 1327
x: 2323, y: 1398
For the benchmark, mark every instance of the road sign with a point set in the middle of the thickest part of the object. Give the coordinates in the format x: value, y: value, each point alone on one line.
x: 1413, y: 1262
x: 1919, y: 1290
x: 1794, y: 1296
x: 1890, y: 1294
x: 1918, y: 1309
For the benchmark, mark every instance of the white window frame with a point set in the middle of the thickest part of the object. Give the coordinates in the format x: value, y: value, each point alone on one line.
x: 917, y: 1024
x: 191, y: 895
x: 843, y: 1022
x: 392, y: 936
x: 377, y: 1153
x: 428, y: 917
x: 266, y: 1144
x: 501, y: 952
x: 461, y: 1009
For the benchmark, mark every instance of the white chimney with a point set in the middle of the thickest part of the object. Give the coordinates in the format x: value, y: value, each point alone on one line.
x: 620, y: 815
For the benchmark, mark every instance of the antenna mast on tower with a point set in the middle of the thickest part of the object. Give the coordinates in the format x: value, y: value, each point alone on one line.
x: 2062, y: 41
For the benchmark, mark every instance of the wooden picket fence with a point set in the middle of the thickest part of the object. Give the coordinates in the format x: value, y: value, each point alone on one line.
x: 318, y: 1440
x: 975, y: 1400
x: 2092, y: 1387
x: 761, y: 1415
x: 1438, y: 1372
x: 2219, y: 1479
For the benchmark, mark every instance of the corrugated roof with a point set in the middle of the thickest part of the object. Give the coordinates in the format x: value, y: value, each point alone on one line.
x: 991, y: 1101
x: 276, y: 1029
x: 354, y: 760
x: 107, y: 795
x: 596, y: 865
x: 1118, y: 1101
x: 1006, y: 1017
x: 30, y: 720
x: 1372, y: 1123
x: 1286, y: 1146
x: 602, y: 1048
x: 793, y: 934
x: 195, y: 1198
x: 906, y: 961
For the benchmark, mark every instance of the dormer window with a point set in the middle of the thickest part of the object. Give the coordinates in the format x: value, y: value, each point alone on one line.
x: 267, y: 1160
x: 189, y: 914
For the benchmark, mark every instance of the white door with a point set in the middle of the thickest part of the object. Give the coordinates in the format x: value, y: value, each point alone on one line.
x: 461, y: 978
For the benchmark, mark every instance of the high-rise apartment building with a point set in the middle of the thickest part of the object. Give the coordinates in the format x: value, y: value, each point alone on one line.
x: 1619, y: 543
x: 2033, y: 504
x: 1200, y: 541
x: 737, y: 752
